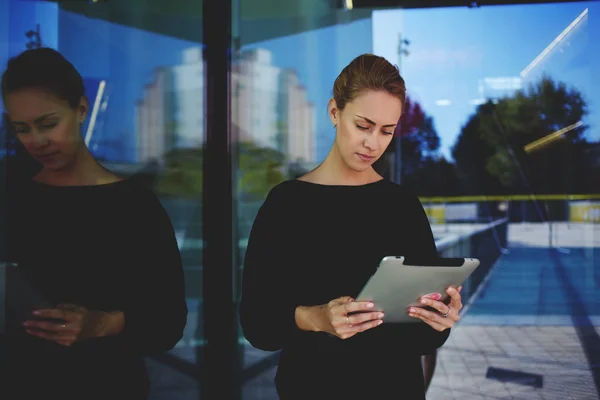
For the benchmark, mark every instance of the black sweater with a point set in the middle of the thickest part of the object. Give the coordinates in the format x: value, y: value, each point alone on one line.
x: 312, y: 243
x: 109, y: 247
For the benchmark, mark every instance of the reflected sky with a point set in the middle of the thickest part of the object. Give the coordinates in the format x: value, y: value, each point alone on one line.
x: 453, y: 49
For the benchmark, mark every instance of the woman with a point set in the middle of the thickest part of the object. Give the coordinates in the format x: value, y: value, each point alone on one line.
x: 100, y: 249
x: 315, y: 242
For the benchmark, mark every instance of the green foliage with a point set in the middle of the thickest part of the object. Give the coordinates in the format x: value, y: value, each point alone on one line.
x: 423, y: 170
x: 183, y: 174
x: 258, y: 170
x: 490, y: 154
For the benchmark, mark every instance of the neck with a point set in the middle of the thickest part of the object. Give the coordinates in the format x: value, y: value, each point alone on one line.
x: 83, y: 170
x: 334, y: 171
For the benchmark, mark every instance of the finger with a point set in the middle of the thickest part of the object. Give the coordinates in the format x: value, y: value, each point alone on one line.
x: 346, y: 331
x: 343, y: 300
x: 336, y: 303
x: 52, y: 313
x: 51, y: 335
x: 438, y: 327
x: 47, y: 326
x: 434, y: 317
x: 358, y: 306
x: 455, y: 298
x: 433, y: 296
x: 370, y: 324
x: 438, y: 305
x: 359, y: 318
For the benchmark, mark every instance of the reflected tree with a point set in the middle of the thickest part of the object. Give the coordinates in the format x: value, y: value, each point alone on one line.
x: 424, y: 170
x: 182, y: 176
x: 490, y: 150
x: 259, y: 169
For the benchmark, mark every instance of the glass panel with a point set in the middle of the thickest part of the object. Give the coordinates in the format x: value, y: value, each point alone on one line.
x: 484, y: 84
x: 510, y: 95
x: 279, y: 110
x: 145, y: 86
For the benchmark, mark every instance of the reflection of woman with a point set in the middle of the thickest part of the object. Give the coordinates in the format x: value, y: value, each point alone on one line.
x: 99, y: 248
x: 315, y: 242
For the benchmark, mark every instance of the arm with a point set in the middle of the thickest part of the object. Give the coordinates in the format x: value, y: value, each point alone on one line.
x: 267, y: 309
x: 155, y: 313
x: 421, y: 337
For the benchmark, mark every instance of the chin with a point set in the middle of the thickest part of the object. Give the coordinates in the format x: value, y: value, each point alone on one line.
x: 55, y: 166
x: 359, y: 167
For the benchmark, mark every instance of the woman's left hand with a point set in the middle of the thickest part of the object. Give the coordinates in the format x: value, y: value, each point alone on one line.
x: 446, y: 315
x: 66, y: 330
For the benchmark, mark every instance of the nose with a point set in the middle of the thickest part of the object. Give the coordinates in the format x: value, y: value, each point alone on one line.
x: 38, y: 140
x: 371, y: 143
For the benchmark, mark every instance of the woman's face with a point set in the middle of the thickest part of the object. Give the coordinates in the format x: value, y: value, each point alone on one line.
x: 365, y: 127
x: 48, y: 127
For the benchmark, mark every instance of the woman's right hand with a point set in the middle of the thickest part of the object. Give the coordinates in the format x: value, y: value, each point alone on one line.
x: 342, y: 317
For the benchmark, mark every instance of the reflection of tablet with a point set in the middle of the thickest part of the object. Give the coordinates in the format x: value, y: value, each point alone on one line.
x: 18, y: 298
x: 398, y: 284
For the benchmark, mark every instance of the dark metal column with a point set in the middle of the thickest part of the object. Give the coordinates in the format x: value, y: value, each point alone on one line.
x: 221, y: 362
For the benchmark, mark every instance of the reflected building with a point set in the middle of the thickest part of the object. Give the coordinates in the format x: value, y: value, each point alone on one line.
x: 269, y: 108
x: 496, y: 88
x: 149, y: 125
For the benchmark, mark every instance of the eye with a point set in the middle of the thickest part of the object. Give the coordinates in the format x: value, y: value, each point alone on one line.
x: 388, y: 133
x: 48, y: 126
x: 17, y: 130
x: 362, y: 128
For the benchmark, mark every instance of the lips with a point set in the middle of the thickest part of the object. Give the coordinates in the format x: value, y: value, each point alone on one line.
x: 46, y: 156
x: 365, y: 157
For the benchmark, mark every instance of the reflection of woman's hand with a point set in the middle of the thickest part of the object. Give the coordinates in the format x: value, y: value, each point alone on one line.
x: 70, y: 321
x: 447, y: 314
x: 341, y: 317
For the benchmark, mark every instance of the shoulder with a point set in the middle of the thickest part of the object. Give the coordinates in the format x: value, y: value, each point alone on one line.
x: 399, y: 192
x: 141, y: 200
x: 282, y: 198
x: 283, y: 191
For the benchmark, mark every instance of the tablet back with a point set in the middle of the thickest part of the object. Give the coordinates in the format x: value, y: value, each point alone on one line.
x: 398, y: 284
x: 18, y: 298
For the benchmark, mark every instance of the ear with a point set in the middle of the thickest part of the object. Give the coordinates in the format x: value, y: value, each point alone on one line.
x: 82, y: 109
x: 334, y: 112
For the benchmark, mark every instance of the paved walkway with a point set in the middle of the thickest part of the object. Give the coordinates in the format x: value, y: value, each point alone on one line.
x: 531, y: 332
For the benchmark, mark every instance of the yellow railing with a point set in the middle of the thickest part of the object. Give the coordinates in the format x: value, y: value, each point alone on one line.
x: 581, y: 207
x: 513, y: 197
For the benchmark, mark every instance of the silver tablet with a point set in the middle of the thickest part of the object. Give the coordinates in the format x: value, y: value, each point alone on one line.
x: 398, y: 284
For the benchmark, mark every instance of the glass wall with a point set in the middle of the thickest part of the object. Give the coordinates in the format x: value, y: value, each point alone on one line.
x: 144, y: 75
x: 500, y: 138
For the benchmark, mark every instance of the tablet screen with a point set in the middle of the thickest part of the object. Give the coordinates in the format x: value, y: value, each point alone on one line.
x: 434, y: 262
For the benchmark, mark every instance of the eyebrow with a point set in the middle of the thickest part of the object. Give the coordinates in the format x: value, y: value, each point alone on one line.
x: 37, y: 119
x: 373, y: 123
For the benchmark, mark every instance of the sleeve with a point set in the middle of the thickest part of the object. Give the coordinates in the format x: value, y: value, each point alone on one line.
x: 267, y: 308
x: 156, y: 310
x: 422, y: 337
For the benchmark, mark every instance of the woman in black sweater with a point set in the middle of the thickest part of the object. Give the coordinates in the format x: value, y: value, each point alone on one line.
x: 100, y: 249
x: 315, y: 242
